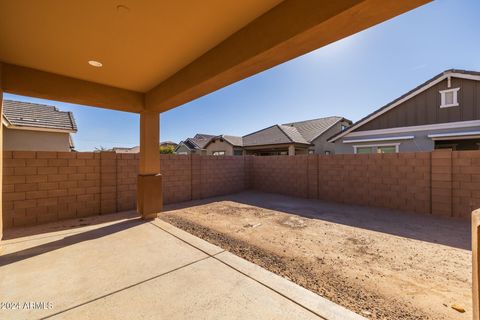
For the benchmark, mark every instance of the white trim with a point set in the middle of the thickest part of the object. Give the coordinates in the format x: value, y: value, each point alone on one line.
x: 393, y: 105
x: 454, y: 135
x: 443, y: 96
x: 380, y: 139
x: 396, y: 145
x: 436, y: 126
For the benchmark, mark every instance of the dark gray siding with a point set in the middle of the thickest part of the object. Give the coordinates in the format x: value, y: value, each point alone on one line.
x: 424, y: 108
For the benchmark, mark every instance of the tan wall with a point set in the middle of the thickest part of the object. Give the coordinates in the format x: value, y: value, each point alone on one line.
x: 47, y: 186
x: 26, y: 140
x: 218, y: 145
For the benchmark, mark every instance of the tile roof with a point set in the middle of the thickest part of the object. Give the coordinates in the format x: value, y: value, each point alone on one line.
x: 26, y: 114
x: 199, y: 141
x: 311, y: 129
x: 293, y: 134
x: 233, y: 140
x: 270, y: 135
x: 303, y: 132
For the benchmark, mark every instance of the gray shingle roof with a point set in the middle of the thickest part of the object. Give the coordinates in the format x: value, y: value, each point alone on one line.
x: 311, y: 129
x: 303, y: 132
x: 199, y: 141
x: 26, y: 114
x: 270, y: 135
x: 293, y: 134
x: 233, y: 140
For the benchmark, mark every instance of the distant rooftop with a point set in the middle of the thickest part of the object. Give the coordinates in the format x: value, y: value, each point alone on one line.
x: 33, y: 115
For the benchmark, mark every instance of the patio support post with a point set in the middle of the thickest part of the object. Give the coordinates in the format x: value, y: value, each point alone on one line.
x: 475, y: 264
x: 149, y: 184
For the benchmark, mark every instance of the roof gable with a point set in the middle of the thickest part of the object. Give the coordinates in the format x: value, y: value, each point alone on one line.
x: 453, y: 73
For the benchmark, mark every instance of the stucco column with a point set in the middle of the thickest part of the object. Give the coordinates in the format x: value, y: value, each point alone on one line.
x: 149, y: 186
x: 291, y: 150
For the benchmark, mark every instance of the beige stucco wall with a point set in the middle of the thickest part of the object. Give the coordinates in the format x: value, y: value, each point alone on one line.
x: 26, y: 140
x: 217, y: 145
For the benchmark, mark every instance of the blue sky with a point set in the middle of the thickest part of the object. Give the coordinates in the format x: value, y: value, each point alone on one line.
x: 349, y: 78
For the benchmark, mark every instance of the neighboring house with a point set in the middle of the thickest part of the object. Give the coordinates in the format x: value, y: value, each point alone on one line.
x: 444, y: 112
x: 36, y: 127
x: 304, y: 137
x: 195, y: 145
x: 225, y: 146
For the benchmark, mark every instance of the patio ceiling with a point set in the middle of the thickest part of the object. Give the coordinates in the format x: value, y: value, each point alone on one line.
x: 157, y: 55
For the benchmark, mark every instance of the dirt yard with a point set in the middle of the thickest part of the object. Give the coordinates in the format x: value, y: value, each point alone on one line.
x: 380, y: 263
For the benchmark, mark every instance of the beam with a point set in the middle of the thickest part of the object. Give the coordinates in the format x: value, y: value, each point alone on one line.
x: 292, y: 28
x: 149, y: 185
x: 40, y: 84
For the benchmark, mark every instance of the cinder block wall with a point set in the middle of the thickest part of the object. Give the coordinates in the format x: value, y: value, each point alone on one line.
x: 441, y: 182
x: 47, y: 186
x: 41, y: 187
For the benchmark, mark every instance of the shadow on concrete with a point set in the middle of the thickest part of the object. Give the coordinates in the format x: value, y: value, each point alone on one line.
x: 70, y: 225
x: 69, y: 240
x: 451, y: 232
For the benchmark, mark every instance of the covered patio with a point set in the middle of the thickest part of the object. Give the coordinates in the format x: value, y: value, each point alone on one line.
x: 148, y: 59
x: 94, y: 268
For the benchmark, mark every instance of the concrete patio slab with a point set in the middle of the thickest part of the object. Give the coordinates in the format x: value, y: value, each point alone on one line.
x: 131, y: 269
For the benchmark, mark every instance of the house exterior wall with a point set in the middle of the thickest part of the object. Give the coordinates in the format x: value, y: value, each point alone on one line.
x: 424, y: 108
x: 420, y: 143
x: 217, y: 145
x: 321, y: 145
x: 420, y: 110
x: 27, y: 140
x: 182, y: 149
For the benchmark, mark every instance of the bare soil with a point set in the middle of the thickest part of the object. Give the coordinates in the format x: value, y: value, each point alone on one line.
x: 380, y: 263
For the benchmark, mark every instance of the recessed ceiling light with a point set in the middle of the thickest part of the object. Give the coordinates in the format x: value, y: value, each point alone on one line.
x: 95, y: 63
x: 123, y: 8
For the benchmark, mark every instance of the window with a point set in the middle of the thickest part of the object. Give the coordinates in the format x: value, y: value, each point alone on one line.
x: 238, y: 152
x: 363, y: 150
x: 344, y: 127
x: 449, y: 98
x: 379, y: 148
x: 386, y: 149
x: 218, y: 153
